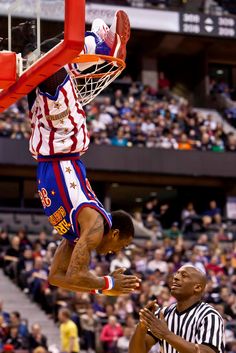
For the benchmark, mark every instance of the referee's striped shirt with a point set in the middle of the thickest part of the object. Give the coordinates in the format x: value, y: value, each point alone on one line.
x: 200, y: 323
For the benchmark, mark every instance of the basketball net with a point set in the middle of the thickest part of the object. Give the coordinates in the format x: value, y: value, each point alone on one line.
x: 96, y: 73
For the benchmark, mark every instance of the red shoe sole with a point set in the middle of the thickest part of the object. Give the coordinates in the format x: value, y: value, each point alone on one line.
x: 123, y: 31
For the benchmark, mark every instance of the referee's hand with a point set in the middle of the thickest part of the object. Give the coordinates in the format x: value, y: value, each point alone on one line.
x: 158, y: 327
x: 197, y: 348
x: 152, y: 307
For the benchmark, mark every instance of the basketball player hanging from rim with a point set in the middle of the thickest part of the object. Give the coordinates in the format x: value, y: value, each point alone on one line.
x: 59, y: 137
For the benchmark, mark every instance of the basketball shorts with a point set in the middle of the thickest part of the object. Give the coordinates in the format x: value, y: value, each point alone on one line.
x: 64, y: 191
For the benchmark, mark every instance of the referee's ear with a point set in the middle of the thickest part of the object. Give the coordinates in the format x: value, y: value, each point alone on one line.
x: 198, y: 288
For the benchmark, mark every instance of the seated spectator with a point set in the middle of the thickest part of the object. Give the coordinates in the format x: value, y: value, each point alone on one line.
x: 25, y: 266
x: 174, y: 232
x: 11, y: 258
x: 110, y: 335
x: 214, y: 211
x: 184, y: 143
x: 120, y: 261
x: 119, y: 139
x: 37, y: 278
x: 158, y: 263
x: 194, y: 261
x: 123, y: 342
x: 4, y: 329
x: 89, y: 322
x: 15, y: 339
x: 17, y: 322
x: 188, y: 212
x: 231, y: 142
x: 3, y: 313
x: 214, y: 265
x: 137, y: 215
x: 24, y: 240
x: 163, y: 82
x: 36, y: 338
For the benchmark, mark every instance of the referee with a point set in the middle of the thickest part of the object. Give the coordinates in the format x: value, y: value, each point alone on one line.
x: 188, y: 326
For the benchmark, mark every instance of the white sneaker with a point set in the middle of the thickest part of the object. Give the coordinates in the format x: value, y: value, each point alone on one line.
x: 100, y: 28
x: 115, y: 37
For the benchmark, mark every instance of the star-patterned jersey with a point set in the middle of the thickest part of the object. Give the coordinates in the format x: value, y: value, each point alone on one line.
x: 58, y: 122
x: 64, y: 191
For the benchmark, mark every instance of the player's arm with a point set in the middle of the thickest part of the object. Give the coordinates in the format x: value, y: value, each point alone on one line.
x: 78, y: 277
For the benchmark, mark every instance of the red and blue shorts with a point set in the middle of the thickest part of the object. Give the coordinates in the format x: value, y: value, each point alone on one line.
x: 64, y: 191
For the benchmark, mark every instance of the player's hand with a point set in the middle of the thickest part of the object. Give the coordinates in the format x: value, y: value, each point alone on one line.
x: 124, y: 284
x: 197, y: 348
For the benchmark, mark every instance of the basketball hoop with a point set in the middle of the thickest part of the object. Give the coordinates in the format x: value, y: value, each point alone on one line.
x: 96, y: 73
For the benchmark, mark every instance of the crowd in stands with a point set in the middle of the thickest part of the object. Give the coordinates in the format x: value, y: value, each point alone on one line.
x: 105, y: 324
x: 141, y: 117
x: 225, y: 99
x: 15, y: 335
x: 162, y: 218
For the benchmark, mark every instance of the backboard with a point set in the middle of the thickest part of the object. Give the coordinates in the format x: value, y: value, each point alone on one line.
x: 38, y: 67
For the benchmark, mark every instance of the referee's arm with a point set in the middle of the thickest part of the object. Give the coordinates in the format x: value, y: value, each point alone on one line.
x: 209, y: 337
x: 141, y: 342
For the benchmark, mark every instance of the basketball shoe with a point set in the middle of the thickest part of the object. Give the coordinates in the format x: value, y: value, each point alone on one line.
x: 115, y: 38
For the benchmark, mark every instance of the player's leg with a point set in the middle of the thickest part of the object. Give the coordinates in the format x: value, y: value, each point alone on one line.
x: 109, y: 41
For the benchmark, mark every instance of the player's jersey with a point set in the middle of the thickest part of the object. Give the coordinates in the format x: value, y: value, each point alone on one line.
x: 58, y: 122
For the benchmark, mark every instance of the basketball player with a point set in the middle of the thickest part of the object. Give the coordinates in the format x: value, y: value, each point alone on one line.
x: 59, y: 138
x: 189, y: 326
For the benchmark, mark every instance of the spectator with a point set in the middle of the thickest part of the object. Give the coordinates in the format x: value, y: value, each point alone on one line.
x: 123, y: 342
x: 110, y: 335
x: 17, y: 322
x: 120, y: 261
x: 158, y: 263
x: 89, y: 322
x: 174, y: 232
x: 15, y: 339
x: 36, y: 338
x: 163, y: 82
x: 3, y: 313
x: 119, y: 140
x: 11, y: 257
x: 68, y: 332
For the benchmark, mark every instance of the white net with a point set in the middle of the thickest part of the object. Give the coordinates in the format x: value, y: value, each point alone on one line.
x: 96, y: 73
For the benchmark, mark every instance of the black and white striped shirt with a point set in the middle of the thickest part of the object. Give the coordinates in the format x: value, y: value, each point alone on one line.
x: 200, y: 323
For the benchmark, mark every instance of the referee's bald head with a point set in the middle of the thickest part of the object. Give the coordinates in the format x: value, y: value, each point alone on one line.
x: 188, y: 282
x: 198, y: 274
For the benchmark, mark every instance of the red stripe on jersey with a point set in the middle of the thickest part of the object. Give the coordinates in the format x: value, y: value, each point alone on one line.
x: 60, y: 185
x: 80, y: 111
x: 52, y: 132
x: 72, y: 70
x: 75, y: 128
x: 84, y: 140
x: 81, y: 180
x: 41, y: 137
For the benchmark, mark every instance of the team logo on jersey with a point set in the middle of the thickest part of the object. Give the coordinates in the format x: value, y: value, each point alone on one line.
x: 58, y: 221
x: 46, y: 201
